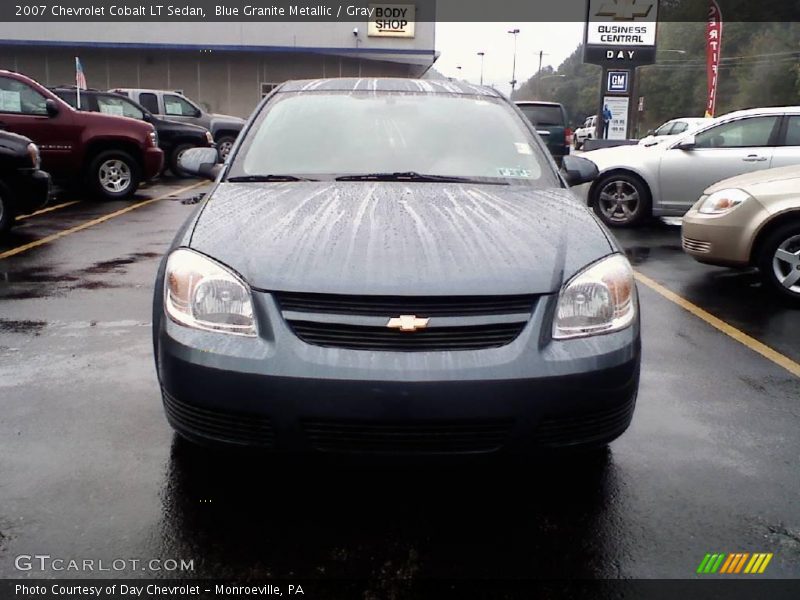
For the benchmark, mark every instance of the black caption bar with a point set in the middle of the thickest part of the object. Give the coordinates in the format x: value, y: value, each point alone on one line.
x: 361, y: 10
x: 316, y: 589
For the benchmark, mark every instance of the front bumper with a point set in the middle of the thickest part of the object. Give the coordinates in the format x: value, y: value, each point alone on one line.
x: 275, y: 391
x: 31, y: 190
x: 153, y: 163
x: 725, y: 240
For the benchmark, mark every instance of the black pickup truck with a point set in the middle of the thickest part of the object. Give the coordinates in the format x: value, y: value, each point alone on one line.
x: 24, y: 187
x: 174, y: 137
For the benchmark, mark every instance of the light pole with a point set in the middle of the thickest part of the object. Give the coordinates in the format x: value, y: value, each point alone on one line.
x: 514, y: 32
x: 481, y: 54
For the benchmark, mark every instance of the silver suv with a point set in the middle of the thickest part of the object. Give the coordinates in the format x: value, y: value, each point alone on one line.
x: 177, y: 107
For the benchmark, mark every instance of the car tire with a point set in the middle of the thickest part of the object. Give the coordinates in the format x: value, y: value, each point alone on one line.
x: 224, y: 146
x: 7, y: 215
x: 114, y: 175
x: 622, y: 200
x: 174, y: 159
x: 779, y: 260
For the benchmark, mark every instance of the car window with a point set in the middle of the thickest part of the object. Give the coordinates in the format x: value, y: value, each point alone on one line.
x: 679, y: 127
x: 665, y: 129
x: 119, y: 107
x: 546, y: 116
x: 346, y: 133
x: 793, y: 132
x: 18, y: 97
x: 177, y: 106
x: 744, y: 133
x: 150, y: 102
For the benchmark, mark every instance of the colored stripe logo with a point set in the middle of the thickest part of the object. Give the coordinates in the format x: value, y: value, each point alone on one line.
x: 734, y: 564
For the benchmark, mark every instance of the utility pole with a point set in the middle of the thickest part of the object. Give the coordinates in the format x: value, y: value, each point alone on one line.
x: 514, y: 32
x: 481, y: 54
x: 542, y: 54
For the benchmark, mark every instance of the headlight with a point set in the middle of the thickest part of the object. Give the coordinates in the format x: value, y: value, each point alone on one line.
x: 201, y: 293
x: 600, y: 299
x: 153, y: 138
x: 33, y: 153
x: 209, y: 138
x: 723, y: 201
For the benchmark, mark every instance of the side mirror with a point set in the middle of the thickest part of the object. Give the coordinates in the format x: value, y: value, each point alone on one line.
x: 650, y: 132
x: 687, y: 143
x: 201, y: 161
x: 578, y: 170
x: 147, y: 117
x: 51, y: 107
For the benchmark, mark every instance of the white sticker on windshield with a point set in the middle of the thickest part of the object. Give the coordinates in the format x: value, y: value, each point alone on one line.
x: 523, y: 148
x: 514, y: 172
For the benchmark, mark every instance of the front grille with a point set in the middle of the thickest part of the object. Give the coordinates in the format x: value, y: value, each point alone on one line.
x: 356, y: 337
x: 422, y: 437
x: 233, y: 428
x: 421, y: 306
x: 485, y: 321
x: 598, y: 426
x: 696, y: 245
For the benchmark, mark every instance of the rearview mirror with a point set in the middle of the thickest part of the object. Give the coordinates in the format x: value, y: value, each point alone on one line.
x: 51, y: 107
x: 578, y: 170
x: 201, y: 161
x: 687, y: 143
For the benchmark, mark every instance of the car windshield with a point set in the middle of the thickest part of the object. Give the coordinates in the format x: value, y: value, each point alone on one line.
x: 664, y: 129
x: 543, y: 115
x: 334, y: 134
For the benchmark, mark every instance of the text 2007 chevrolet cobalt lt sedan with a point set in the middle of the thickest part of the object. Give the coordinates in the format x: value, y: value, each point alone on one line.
x: 395, y: 266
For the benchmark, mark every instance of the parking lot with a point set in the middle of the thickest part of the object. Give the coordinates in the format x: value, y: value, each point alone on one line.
x: 91, y: 468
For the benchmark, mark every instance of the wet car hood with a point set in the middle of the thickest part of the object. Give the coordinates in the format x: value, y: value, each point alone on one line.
x: 399, y: 238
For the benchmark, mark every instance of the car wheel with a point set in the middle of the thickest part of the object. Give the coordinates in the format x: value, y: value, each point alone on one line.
x: 779, y: 262
x: 621, y: 200
x: 6, y: 214
x: 224, y: 146
x: 174, y: 160
x: 114, y: 175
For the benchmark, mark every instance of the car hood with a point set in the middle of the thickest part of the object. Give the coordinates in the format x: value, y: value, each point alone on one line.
x: 623, y: 155
x: 748, y: 181
x: 179, y: 126
x: 216, y: 118
x: 399, y: 238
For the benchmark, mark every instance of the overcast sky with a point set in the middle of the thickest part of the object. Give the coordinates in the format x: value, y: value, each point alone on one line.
x: 459, y: 44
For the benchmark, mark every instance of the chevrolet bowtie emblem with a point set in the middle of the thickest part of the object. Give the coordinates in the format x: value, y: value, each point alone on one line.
x: 625, y: 10
x: 407, y: 323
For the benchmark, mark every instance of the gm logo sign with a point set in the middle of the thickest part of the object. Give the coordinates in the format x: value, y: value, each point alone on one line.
x: 618, y: 82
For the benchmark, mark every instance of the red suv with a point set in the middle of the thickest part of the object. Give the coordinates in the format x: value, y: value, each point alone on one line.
x: 110, y: 154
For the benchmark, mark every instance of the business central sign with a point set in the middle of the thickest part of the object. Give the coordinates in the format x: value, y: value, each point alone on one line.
x: 621, y: 32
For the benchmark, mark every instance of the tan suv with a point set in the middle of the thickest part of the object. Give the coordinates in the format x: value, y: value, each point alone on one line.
x: 750, y: 220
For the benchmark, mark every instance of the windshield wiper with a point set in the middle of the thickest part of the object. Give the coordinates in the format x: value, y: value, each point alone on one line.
x: 261, y: 178
x: 413, y: 176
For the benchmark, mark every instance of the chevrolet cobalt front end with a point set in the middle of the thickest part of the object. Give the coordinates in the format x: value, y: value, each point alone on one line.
x: 395, y: 266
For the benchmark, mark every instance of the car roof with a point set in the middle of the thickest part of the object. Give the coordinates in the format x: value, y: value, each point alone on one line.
x: 767, y: 110
x: 387, y: 84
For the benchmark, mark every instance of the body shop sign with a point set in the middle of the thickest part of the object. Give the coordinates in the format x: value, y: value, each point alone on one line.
x: 391, y: 20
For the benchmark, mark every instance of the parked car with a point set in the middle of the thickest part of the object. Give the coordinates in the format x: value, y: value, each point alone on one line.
x: 173, y: 137
x: 550, y: 120
x: 24, y: 187
x: 111, y: 155
x: 672, y: 128
x: 587, y: 132
x: 435, y: 291
x: 175, y: 106
x: 666, y: 179
x: 752, y: 220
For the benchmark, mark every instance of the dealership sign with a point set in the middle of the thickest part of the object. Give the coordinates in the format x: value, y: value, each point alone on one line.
x: 391, y: 20
x: 621, y: 32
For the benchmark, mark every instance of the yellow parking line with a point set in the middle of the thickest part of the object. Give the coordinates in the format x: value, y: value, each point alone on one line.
x: 93, y: 222
x: 47, y: 210
x: 741, y: 337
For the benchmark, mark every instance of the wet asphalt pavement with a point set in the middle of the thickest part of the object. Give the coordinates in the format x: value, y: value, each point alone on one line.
x: 90, y: 468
